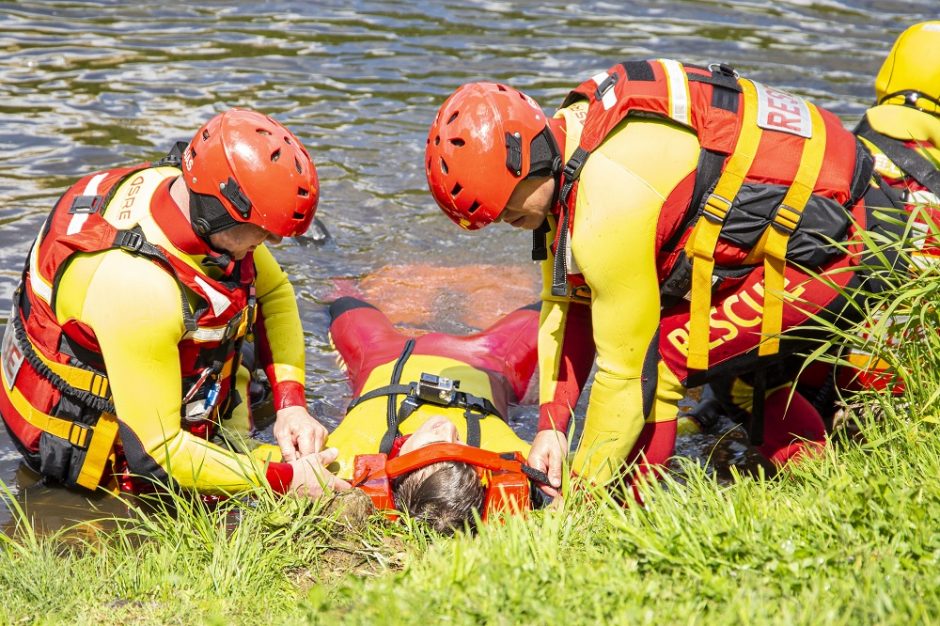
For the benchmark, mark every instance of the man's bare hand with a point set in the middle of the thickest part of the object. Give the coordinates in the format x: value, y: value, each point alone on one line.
x: 312, y: 479
x: 298, y: 433
x: 549, y: 449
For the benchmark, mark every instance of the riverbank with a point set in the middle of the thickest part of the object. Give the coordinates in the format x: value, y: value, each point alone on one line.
x: 843, y: 539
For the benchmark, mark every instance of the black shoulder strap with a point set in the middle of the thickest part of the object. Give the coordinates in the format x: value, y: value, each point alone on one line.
x: 135, y: 242
x: 910, y: 161
x: 174, y: 157
x: 392, y: 415
x: 569, y: 177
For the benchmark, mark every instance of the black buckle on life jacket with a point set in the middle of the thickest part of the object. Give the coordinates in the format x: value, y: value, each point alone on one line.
x: 130, y: 240
x: 572, y: 169
x: 787, y: 219
x: 86, y: 204
x: 716, y: 208
x: 79, y: 436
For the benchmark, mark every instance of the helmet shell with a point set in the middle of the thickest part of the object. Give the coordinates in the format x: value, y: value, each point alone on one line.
x: 913, y: 65
x: 478, y: 149
x: 256, y: 168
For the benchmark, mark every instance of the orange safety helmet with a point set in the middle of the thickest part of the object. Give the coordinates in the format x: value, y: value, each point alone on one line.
x: 505, y: 477
x: 244, y: 167
x: 485, y: 139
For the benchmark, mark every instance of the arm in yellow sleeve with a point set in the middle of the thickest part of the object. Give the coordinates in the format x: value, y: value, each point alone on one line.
x: 623, y: 187
x: 278, y: 332
x: 134, y: 309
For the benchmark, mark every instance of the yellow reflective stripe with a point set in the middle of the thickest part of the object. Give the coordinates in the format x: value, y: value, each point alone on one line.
x: 704, y: 237
x: 98, y: 441
x: 76, y: 377
x: 778, y: 233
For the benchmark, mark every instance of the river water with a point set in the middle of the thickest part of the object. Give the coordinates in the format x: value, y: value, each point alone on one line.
x: 93, y: 85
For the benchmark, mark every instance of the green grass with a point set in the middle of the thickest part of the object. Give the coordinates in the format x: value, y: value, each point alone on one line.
x: 847, y: 538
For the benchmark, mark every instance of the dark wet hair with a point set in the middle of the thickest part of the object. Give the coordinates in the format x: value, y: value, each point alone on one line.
x: 445, y: 495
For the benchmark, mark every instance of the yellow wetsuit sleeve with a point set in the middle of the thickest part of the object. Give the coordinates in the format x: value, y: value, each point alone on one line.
x: 279, y: 333
x: 622, y: 191
x: 135, y: 311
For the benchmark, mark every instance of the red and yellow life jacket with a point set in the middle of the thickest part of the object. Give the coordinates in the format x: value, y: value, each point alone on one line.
x: 55, y: 385
x: 777, y: 180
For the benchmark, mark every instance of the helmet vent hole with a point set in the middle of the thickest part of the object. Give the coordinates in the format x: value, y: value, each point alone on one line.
x: 298, y: 166
x: 457, y: 142
x: 262, y: 131
x: 275, y: 155
x: 298, y: 215
x: 287, y: 140
x: 303, y: 193
x: 444, y: 166
x: 500, y: 87
x: 457, y: 189
x: 437, y: 140
x: 452, y: 117
x: 473, y: 208
x: 205, y: 134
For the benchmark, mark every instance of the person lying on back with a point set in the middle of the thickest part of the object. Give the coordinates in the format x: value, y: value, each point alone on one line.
x: 436, y: 388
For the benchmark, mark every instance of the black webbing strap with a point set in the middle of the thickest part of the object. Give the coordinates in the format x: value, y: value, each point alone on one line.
x: 392, y: 412
x: 725, y: 88
x: 914, y: 164
x: 569, y: 177
x: 377, y: 393
x: 707, y: 172
x: 539, y: 249
x: 81, y: 396
x: 173, y: 158
x: 473, y: 426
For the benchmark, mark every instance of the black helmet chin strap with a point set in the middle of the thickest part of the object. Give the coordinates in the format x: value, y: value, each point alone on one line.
x: 208, y: 215
x: 544, y: 155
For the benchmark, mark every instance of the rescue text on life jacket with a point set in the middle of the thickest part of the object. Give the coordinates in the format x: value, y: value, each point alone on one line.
x: 776, y: 181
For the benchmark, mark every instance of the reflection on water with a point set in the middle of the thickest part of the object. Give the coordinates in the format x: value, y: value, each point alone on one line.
x: 86, y: 86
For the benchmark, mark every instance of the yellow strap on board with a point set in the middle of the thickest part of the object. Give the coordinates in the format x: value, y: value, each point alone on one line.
x: 778, y: 233
x: 701, y: 243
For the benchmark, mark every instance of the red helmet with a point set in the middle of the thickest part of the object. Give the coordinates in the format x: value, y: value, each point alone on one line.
x: 242, y: 166
x: 486, y: 138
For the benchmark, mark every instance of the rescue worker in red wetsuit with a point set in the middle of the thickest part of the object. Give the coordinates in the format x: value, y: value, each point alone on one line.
x: 120, y: 362
x: 902, y: 131
x: 673, y: 207
x: 478, y: 375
